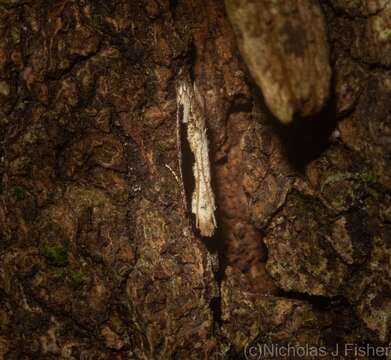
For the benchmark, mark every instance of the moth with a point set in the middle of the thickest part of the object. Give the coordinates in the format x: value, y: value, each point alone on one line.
x: 191, y: 118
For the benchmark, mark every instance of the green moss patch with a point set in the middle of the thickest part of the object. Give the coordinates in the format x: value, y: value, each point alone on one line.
x: 77, y: 278
x: 55, y: 254
x: 18, y: 192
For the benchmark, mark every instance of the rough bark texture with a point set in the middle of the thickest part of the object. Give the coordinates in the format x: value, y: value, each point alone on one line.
x: 284, y: 44
x: 98, y: 258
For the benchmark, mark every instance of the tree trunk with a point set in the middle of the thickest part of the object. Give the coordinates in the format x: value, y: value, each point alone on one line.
x: 102, y: 255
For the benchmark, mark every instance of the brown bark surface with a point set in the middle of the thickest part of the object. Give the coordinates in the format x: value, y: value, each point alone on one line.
x: 98, y: 255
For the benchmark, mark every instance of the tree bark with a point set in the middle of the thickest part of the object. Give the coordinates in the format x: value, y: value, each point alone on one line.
x: 100, y: 254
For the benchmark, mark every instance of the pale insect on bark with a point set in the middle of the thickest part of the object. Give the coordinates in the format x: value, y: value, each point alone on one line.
x: 193, y: 116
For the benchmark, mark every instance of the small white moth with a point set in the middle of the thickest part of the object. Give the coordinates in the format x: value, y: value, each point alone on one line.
x: 193, y: 116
